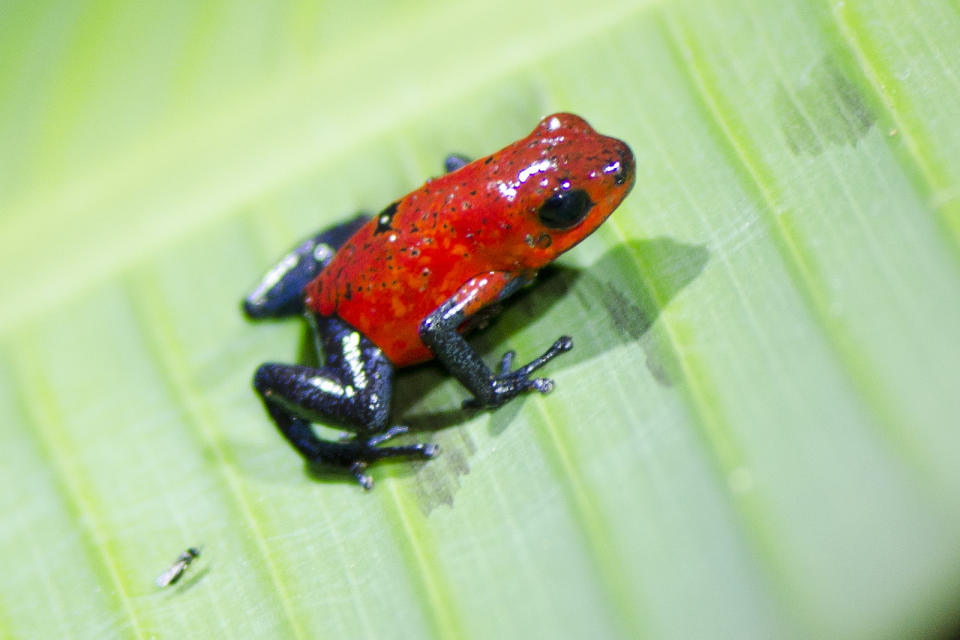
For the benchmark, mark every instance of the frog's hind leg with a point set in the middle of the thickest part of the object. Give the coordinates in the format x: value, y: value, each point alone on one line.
x: 280, y: 292
x: 352, y: 388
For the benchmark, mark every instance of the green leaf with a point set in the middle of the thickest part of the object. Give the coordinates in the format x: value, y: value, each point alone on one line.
x: 755, y: 436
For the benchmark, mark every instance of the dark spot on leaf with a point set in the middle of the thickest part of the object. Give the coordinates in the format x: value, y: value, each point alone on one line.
x: 438, y: 481
x: 821, y: 109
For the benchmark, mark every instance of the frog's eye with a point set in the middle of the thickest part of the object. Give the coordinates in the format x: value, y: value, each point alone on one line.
x: 565, y: 209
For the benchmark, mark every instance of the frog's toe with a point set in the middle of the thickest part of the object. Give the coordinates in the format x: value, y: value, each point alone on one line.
x: 506, y: 362
x: 372, y: 452
x: 543, y: 385
x: 380, y: 438
x: 357, y: 469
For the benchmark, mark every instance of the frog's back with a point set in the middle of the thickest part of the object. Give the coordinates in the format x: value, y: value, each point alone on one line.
x: 405, y: 263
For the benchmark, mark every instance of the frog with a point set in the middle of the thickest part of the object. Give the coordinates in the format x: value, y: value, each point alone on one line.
x: 408, y: 285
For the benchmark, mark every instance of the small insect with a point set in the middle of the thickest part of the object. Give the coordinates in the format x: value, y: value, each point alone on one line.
x: 178, y: 568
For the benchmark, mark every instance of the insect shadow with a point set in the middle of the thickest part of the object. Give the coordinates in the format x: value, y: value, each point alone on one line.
x: 614, y: 302
x: 189, y: 581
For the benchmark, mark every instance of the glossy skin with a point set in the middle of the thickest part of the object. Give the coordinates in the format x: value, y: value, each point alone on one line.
x: 400, y: 288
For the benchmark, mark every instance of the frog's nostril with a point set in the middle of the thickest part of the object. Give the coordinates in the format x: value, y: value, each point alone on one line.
x: 621, y: 175
x: 620, y: 168
x: 626, y: 164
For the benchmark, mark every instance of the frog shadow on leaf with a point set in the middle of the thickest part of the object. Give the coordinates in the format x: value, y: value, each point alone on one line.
x: 614, y: 302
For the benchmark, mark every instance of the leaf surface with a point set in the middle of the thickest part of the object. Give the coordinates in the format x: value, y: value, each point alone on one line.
x: 755, y: 435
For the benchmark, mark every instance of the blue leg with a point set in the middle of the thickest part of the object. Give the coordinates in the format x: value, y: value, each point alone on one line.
x: 351, y: 389
x: 454, y: 161
x: 439, y: 331
x: 280, y: 292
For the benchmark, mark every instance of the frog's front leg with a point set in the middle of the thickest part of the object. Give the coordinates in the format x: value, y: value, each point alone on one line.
x: 352, y: 389
x: 439, y: 331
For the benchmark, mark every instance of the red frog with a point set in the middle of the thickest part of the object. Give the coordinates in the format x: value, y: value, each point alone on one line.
x: 404, y: 286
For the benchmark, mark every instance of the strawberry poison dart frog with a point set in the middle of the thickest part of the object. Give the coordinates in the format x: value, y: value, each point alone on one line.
x: 402, y: 287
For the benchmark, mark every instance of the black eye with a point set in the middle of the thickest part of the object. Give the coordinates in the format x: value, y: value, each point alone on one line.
x: 565, y: 209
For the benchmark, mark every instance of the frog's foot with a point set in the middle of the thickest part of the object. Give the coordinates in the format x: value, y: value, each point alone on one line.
x: 369, y: 451
x: 509, y: 384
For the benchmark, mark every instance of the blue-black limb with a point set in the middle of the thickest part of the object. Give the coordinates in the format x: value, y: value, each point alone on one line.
x: 280, y: 292
x: 352, y: 389
x: 439, y: 332
x: 454, y: 161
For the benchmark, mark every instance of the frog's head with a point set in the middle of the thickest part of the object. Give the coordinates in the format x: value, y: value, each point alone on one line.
x: 565, y: 180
